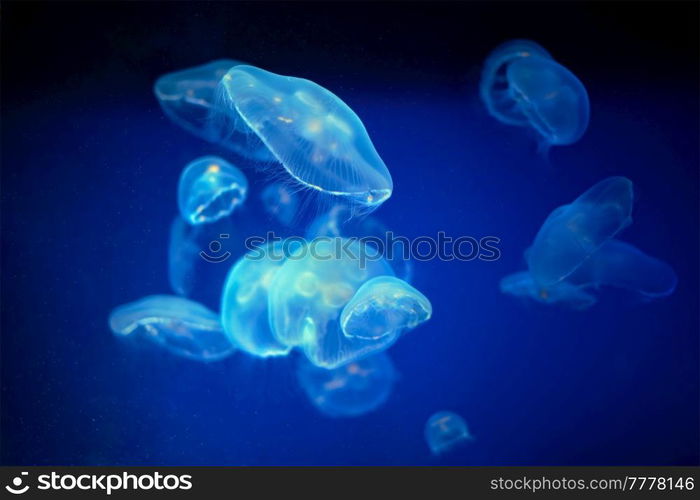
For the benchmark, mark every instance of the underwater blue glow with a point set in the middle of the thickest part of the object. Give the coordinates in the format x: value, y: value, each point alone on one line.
x: 210, y: 188
x: 573, y: 232
x: 182, y: 326
x: 351, y: 390
x: 522, y: 85
x: 244, y: 312
x: 318, y: 139
x: 189, y: 97
x: 444, y: 431
x: 565, y: 294
x: 384, y: 306
x: 308, y: 294
x: 281, y: 202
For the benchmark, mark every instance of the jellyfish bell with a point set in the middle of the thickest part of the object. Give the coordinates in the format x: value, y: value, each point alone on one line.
x: 190, y: 98
x: 383, y: 306
x: 244, y: 310
x: 210, y: 188
x: 494, y: 87
x: 309, y: 292
x: 183, y: 327
x: 317, y: 138
x: 573, y: 232
x: 351, y: 390
x: 552, y: 98
x: 444, y: 431
x: 522, y: 85
x: 187, y: 96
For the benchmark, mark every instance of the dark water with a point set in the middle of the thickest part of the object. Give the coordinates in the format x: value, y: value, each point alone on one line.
x: 89, y: 174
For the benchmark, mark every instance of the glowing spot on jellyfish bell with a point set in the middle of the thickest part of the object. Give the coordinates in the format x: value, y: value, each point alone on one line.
x: 284, y: 119
x: 277, y: 99
x: 213, y: 168
x: 314, y: 126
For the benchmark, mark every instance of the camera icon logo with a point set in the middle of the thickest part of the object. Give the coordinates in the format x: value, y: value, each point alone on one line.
x: 16, y: 488
x: 214, y: 248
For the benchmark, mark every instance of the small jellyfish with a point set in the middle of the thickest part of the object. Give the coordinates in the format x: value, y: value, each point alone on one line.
x: 563, y: 293
x: 351, y: 390
x: 316, y: 137
x: 620, y: 265
x: 189, y: 98
x: 494, y: 87
x: 244, y: 312
x: 444, y: 431
x: 522, y: 85
x: 210, y: 188
x: 384, y: 306
x: 573, y: 232
x: 309, y: 292
x: 281, y: 202
x: 182, y: 326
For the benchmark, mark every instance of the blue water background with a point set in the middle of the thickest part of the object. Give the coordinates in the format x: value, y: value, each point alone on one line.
x: 89, y: 172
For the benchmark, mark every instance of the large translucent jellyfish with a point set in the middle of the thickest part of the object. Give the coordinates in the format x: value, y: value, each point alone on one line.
x: 189, y: 98
x: 444, y: 431
x: 563, y: 293
x: 182, y: 326
x: 573, y: 232
x: 615, y: 264
x: 621, y: 265
x: 281, y: 202
x: 244, y: 311
x: 316, y: 137
x: 351, y: 390
x: 210, y: 188
x: 383, y: 306
x: 522, y: 85
x: 309, y: 292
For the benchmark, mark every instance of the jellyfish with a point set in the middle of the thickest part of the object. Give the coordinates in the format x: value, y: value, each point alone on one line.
x: 521, y: 284
x: 318, y: 139
x: 181, y: 326
x: 210, y: 188
x: 244, y: 311
x: 189, y: 98
x: 351, y: 390
x: 620, y: 265
x: 522, y: 85
x: 338, y: 221
x: 309, y: 292
x: 573, y: 232
x: 280, y: 201
x: 384, y: 306
x: 444, y: 431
